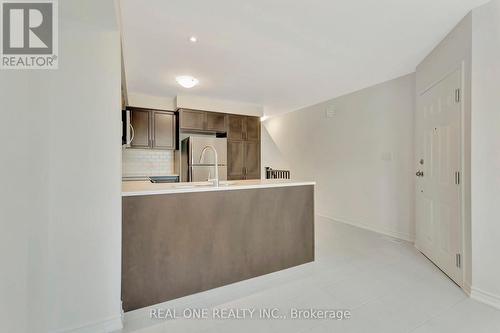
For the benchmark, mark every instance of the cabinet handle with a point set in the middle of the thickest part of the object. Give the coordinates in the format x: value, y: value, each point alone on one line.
x: 132, y: 134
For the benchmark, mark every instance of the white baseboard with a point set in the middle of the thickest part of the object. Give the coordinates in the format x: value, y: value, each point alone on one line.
x: 391, y: 233
x: 485, y: 297
x: 106, y: 326
x: 467, y: 288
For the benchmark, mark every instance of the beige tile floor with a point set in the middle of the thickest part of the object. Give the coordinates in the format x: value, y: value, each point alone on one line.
x: 386, y: 284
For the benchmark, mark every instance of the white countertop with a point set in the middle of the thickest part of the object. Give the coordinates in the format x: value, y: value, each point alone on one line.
x: 136, y: 188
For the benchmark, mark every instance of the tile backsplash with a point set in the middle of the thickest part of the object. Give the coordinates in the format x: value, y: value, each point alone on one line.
x: 147, y: 162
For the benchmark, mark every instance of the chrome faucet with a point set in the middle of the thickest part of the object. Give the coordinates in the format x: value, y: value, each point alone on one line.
x: 216, y: 180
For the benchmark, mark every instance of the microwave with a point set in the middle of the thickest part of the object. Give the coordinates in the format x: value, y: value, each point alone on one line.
x: 127, y: 129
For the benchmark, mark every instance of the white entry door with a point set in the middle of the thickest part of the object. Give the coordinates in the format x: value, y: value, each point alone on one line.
x: 438, y: 173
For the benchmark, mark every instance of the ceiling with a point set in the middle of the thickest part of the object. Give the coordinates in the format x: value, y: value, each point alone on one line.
x: 282, y: 54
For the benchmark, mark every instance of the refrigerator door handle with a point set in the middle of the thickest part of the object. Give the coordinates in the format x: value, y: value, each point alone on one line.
x: 190, y: 152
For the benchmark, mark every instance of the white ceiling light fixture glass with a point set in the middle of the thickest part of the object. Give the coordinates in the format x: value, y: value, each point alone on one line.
x: 187, y: 81
x: 193, y: 39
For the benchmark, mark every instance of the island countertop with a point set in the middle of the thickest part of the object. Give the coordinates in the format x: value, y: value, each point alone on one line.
x: 179, y: 239
x: 137, y: 188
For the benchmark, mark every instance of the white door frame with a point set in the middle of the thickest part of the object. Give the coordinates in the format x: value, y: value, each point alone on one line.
x: 462, y: 213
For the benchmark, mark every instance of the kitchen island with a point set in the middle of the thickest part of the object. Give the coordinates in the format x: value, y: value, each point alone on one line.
x: 183, y: 238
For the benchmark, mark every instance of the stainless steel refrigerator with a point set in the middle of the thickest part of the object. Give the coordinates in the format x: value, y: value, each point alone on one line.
x: 195, y: 170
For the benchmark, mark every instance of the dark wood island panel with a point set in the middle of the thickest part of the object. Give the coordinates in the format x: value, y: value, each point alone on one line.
x: 183, y: 243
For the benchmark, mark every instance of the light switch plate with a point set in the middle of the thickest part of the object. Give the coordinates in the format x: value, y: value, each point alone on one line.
x: 386, y: 156
x: 330, y: 111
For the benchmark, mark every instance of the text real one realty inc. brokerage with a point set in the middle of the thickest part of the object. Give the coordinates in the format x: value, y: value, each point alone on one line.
x: 249, y: 313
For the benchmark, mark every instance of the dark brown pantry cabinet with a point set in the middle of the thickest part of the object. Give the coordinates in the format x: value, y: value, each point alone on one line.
x: 243, y: 147
x: 154, y: 129
x: 235, y: 160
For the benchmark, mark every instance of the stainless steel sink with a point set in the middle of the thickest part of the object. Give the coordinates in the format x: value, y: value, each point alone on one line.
x: 164, y: 179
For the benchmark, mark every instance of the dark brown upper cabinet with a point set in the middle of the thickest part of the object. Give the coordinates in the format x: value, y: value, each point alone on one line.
x: 163, y: 130
x: 202, y: 121
x: 243, y: 128
x: 154, y: 129
x: 235, y: 127
x: 216, y: 122
x: 192, y: 120
x: 252, y: 128
x: 141, y: 130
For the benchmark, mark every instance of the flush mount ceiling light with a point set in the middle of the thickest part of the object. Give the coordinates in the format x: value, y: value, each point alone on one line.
x: 193, y: 39
x: 187, y: 81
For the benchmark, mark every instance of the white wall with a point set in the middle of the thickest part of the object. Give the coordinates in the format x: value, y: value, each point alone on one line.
x: 218, y: 105
x: 153, y: 102
x: 486, y: 153
x: 61, y: 214
x: 23, y: 204
x: 361, y: 158
x: 453, y: 52
x: 193, y: 102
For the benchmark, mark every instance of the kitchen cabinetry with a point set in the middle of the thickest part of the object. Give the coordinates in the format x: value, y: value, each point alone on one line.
x: 252, y: 128
x: 252, y: 160
x: 243, y: 160
x: 192, y: 120
x: 163, y: 130
x: 243, y: 147
x: 139, y: 120
x: 216, y: 122
x: 153, y: 129
x: 235, y: 160
x: 243, y: 128
x: 235, y: 127
x: 243, y: 138
x: 202, y: 121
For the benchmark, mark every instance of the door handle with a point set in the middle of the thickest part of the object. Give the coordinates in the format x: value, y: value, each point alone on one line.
x: 420, y: 173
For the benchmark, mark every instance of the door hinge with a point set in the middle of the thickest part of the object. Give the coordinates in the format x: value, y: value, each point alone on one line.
x: 459, y: 260
x: 457, y: 95
x: 457, y: 177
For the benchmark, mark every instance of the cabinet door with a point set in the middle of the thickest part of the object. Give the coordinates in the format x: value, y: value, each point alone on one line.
x: 252, y: 160
x: 235, y: 160
x: 216, y: 122
x: 235, y: 127
x: 139, y: 119
x: 252, y: 128
x: 163, y: 130
x: 193, y: 120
